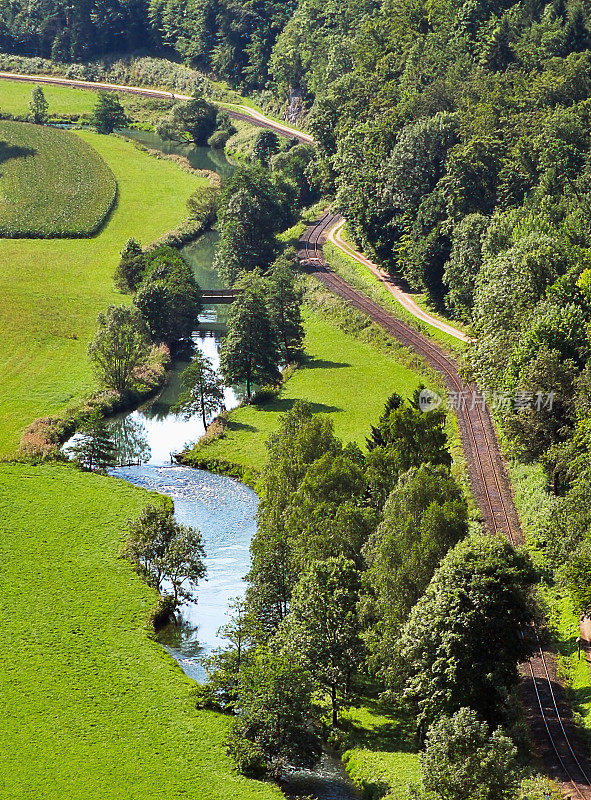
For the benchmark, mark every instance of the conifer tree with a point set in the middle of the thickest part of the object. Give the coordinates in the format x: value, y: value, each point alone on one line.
x: 250, y: 353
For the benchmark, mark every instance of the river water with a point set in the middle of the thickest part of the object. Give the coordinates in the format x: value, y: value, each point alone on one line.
x: 222, y: 508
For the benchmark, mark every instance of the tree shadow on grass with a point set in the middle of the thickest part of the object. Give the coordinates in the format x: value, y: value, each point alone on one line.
x: 233, y: 425
x: 283, y: 404
x: 8, y: 151
x: 321, y: 363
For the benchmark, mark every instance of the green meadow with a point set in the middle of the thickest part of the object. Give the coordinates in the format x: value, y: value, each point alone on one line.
x: 343, y: 377
x: 92, y: 707
x: 15, y: 97
x: 52, y: 290
x: 52, y: 183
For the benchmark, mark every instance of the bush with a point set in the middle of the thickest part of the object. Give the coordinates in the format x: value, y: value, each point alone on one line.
x: 266, y: 394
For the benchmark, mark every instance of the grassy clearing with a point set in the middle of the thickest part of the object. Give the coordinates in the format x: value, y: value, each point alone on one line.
x: 342, y: 377
x: 15, y: 97
x: 379, y: 758
x: 93, y: 708
x: 76, y: 104
x: 52, y: 183
x: 52, y: 290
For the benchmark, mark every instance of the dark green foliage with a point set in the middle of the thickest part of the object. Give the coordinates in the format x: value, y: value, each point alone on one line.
x: 129, y: 271
x: 38, y: 106
x: 108, y: 113
x: 424, y: 516
x: 463, y: 640
x: 191, y: 122
x: 273, y: 730
x: 119, y: 347
x: 252, y: 209
x: 266, y: 145
x: 322, y: 629
x: 73, y: 32
x: 168, y: 296
x: 163, y: 550
x: 250, y: 353
x: 284, y: 300
x: 94, y: 447
x: 301, y: 440
x: 463, y: 760
x: 405, y: 437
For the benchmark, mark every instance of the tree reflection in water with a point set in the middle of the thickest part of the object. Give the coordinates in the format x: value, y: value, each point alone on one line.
x: 131, y: 441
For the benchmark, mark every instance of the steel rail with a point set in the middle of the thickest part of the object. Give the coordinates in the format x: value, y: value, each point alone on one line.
x: 311, y: 255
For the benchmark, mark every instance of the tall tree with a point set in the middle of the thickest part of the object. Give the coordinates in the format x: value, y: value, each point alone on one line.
x: 274, y: 728
x: 424, y: 516
x: 463, y: 640
x: 203, y: 389
x: 93, y: 447
x: 249, y: 352
x: 284, y: 300
x: 38, y: 106
x: 323, y: 627
x: 164, y: 550
x: 119, y: 347
x: 192, y: 122
x: 266, y: 144
x: 108, y: 113
x: 301, y: 439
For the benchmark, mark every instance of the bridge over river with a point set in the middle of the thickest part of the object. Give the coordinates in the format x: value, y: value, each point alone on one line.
x: 218, y: 296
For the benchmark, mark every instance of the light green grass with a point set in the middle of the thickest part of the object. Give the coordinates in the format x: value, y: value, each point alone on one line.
x: 534, y: 504
x: 362, y: 278
x: 16, y: 95
x: 52, y: 183
x: 421, y: 298
x: 65, y: 101
x: 52, y: 290
x: 342, y: 377
x: 92, y: 707
x: 379, y: 758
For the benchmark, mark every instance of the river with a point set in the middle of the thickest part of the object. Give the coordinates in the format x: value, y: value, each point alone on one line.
x: 222, y: 508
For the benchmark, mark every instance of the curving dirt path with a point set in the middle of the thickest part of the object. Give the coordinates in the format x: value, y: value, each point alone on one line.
x: 240, y: 112
x: 555, y: 736
x: 400, y: 295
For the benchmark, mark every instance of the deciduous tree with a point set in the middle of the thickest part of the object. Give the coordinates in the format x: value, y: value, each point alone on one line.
x: 203, y: 389
x: 249, y: 352
x: 120, y: 346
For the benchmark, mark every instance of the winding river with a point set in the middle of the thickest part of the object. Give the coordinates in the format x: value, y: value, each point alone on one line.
x: 222, y: 508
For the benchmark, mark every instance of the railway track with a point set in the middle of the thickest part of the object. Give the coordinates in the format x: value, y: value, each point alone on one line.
x: 550, y: 718
x: 254, y: 119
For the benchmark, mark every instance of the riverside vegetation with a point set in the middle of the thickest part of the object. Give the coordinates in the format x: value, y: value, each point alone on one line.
x: 78, y: 658
x: 455, y: 140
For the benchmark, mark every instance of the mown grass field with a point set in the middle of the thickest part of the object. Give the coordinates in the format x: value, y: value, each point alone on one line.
x: 342, y: 377
x: 52, y: 183
x: 92, y: 707
x: 15, y: 97
x: 52, y: 290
